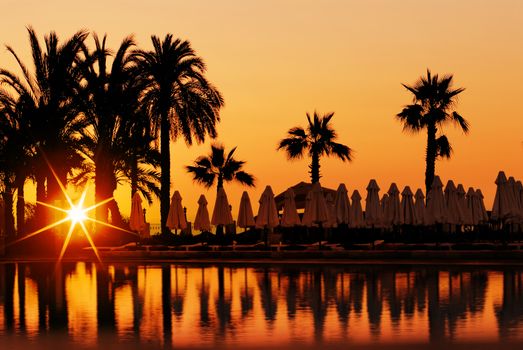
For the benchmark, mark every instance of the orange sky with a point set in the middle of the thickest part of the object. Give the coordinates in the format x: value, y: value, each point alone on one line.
x: 275, y: 60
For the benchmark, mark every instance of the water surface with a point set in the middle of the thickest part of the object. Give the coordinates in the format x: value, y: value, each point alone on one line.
x: 87, y: 305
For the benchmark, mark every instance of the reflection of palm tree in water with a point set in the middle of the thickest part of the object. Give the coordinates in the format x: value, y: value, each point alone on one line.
x: 166, y: 304
x: 7, y: 276
x: 246, y: 297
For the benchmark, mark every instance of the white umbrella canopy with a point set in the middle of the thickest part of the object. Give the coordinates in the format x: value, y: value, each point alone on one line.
x: 176, y: 218
x: 267, y: 212
x: 462, y: 203
x: 407, y: 207
x: 373, y: 217
x: 356, y: 211
x: 221, y: 213
x: 245, y: 213
x: 330, y: 200
x: 290, y: 215
x: 316, y: 211
x: 473, y: 208
x: 436, y: 212
x: 502, y: 208
x: 202, y: 222
x: 419, y: 206
x: 484, y: 215
x: 136, y: 220
x: 342, y: 205
x: 394, y: 214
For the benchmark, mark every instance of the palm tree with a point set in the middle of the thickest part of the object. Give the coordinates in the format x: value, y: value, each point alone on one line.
x: 218, y: 167
x: 317, y: 140
x: 109, y: 100
x: 180, y: 101
x: 48, y: 110
x: 433, y: 107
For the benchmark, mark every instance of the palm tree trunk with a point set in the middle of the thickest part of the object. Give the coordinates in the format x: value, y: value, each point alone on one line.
x: 20, y: 207
x: 430, y: 157
x: 40, y: 194
x: 9, y: 227
x: 315, y: 168
x: 101, y: 189
x: 165, y: 164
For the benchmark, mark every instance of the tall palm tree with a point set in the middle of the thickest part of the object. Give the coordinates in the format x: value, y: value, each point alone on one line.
x: 179, y: 99
x: 219, y: 167
x: 433, y: 107
x: 47, y: 96
x: 318, y: 140
x: 109, y: 100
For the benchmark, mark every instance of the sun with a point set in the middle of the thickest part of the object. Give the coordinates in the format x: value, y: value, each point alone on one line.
x: 77, y: 214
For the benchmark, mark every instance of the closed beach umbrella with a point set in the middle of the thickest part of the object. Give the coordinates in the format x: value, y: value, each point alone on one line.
x: 342, y: 205
x: 290, y: 215
x: 356, y: 211
x: 514, y: 200
x: 245, y: 214
x: 221, y: 213
x: 176, y: 218
x: 306, y: 218
x: 462, y: 203
x: 316, y: 212
x: 202, y: 222
x: 436, y: 212
x: 419, y: 206
x: 330, y: 200
x: 394, y: 214
x: 136, y: 220
x: 267, y: 212
x: 484, y: 215
x: 407, y: 207
x: 384, y: 203
x: 453, y: 208
x: 372, y: 205
x: 473, y: 208
x: 502, y: 208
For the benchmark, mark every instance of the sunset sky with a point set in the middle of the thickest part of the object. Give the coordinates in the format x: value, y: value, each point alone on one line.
x: 274, y: 61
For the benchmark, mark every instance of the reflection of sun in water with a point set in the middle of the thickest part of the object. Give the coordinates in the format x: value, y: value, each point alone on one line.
x: 76, y: 214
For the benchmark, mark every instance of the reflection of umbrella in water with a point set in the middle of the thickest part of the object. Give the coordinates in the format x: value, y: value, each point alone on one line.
x: 246, y: 297
x: 179, y: 294
x: 176, y: 218
x: 136, y: 220
x: 245, y: 215
x: 201, y: 221
x: 204, y: 302
x: 269, y: 305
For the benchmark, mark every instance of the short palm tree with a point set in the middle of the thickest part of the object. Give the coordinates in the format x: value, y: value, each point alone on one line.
x: 217, y: 167
x: 179, y: 99
x: 318, y: 140
x: 433, y: 106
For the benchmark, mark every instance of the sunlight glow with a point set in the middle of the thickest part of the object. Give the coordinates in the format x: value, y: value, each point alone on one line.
x: 76, y: 214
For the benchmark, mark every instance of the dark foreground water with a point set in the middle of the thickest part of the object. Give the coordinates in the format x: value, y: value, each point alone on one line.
x: 85, y: 305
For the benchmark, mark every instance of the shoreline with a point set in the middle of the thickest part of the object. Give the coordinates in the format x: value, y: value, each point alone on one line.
x: 363, y: 257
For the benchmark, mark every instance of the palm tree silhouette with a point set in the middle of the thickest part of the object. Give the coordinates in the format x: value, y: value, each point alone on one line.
x: 46, y: 97
x: 109, y: 100
x: 220, y: 168
x: 180, y: 101
x: 432, y: 107
x: 317, y: 140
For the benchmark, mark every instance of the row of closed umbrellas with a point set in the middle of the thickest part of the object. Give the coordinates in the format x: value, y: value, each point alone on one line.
x: 443, y: 205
